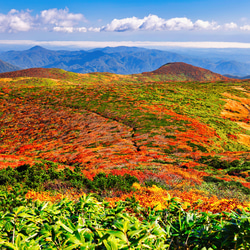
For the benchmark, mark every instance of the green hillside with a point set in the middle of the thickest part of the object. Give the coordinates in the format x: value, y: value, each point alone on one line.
x: 174, y: 155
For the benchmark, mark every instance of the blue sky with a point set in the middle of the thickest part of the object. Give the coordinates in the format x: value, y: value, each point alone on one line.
x: 96, y: 23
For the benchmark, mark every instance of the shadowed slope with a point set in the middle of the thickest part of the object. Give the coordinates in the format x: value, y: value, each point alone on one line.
x: 6, y: 67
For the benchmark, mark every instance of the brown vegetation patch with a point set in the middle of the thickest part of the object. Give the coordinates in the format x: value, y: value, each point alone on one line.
x: 35, y: 72
x: 235, y: 110
x: 244, y: 125
x: 247, y: 92
x: 244, y: 139
x: 238, y: 109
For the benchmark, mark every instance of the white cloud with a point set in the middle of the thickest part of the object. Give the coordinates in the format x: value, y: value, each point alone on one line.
x: 245, y: 27
x: 205, y: 25
x: 94, y: 29
x: 132, y: 23
x: 51, y: 19
x: 151, y: 22
x: 81, y: 29
x: 155, y: 23
x: 230, y: 26
x: 69, y: 29
x: 60, y: 18
x: 178, y: 24
x: 16, y: 21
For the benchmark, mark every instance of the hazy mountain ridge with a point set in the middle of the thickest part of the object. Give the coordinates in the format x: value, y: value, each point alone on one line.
x: 119, y: 60
x: 238, y: 77
x: 7, y: 67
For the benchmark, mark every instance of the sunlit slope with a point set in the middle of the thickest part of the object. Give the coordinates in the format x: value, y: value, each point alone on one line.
x: 165, y: 117
x: 109, y: 122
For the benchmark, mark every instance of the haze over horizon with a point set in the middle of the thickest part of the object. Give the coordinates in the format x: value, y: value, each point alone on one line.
x: 158, y: 24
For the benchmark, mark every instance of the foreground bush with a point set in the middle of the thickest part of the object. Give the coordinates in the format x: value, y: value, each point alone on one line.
x: 89, y: 224
x: 39, y: 177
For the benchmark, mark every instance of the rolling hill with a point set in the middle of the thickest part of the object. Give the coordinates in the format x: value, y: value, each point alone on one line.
x: 35, y: 72
x: 99, y: 159
x: 184, y: 72
x: 169, y: 72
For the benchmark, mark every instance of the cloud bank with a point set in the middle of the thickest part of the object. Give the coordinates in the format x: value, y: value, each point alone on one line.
x: 155, y: 23
x: 62, y: 20
x: 99, y: 44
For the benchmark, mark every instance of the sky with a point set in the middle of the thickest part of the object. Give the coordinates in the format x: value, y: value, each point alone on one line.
x: 96, y: 23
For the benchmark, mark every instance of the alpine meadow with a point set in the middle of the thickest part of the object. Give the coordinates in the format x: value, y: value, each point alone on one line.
x: 157, y: 160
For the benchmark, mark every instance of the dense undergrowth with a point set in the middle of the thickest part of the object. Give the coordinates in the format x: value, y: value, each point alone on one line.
x: 89, y: 224
x: 48, y: 178
x: 175, y: 156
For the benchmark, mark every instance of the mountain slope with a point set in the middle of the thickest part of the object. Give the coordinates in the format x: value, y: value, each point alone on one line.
x: 6, y: 67
x: 234, y: 67
x: 184, y: 72
x: 168, y: 146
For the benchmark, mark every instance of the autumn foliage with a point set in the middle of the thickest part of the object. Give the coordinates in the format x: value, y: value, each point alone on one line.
x: 157, y: 131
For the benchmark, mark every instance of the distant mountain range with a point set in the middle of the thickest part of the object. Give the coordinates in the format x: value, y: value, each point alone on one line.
x: 238, y: 77
x: 119, y: 60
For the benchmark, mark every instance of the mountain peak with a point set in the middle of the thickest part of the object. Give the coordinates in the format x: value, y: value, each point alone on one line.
x: 37, y: 48
x: 179, y: 71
